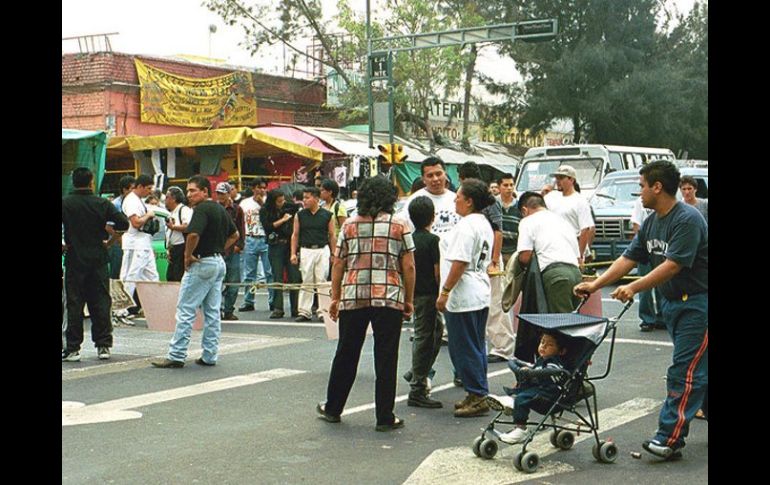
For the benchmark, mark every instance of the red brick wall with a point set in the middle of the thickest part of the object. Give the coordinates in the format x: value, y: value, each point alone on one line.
x: 279, y: 99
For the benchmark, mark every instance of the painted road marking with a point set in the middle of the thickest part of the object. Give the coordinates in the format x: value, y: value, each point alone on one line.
x: 155, y: 347
x: 74, y: 413
x: 612, y: 300
x: 657, y: 343
x: 404, y: 397
x: 458, y: 465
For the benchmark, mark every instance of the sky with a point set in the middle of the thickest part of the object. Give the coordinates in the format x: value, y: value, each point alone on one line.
x: 172, y: 27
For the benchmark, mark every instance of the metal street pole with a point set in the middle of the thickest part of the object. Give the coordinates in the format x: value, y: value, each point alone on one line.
x: 390, y: 99
x: 368, y: 73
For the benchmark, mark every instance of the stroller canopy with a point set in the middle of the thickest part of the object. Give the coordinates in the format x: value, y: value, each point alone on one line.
x: 571, y: 324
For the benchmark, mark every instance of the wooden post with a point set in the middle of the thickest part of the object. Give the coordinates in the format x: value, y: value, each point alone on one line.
x: 238, y: 165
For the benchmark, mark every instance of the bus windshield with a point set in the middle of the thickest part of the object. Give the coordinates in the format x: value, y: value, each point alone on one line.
x: 536, y: 173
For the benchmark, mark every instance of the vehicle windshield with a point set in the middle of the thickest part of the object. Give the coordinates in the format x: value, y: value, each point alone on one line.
x: 615, y: 191
x: 536, y: 173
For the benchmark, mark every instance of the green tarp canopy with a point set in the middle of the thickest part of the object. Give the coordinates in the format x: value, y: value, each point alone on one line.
x: 81, y: 148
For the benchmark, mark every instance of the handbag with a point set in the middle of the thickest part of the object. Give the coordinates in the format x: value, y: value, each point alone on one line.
x: 151, y: 227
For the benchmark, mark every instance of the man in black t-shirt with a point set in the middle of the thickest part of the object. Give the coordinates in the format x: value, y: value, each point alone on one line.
x: 674, y: 240
x: 312, y: 243
x: 210, y: 233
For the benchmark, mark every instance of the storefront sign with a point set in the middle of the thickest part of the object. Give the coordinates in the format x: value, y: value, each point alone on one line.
x: 168, y: 99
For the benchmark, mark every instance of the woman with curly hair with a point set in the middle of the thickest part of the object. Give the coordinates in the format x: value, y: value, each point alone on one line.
x: 372, y: 282
x: 277, y: 217
x: 464, y: 297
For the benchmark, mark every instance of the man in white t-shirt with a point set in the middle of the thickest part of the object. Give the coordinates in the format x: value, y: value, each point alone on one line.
x: 255, y: 265
x: 434, y: 176
x: 573, y: 207
x: 552, y: 239
x: 138, y: 258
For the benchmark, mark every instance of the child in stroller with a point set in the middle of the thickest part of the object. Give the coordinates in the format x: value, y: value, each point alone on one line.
x: 553, y: 387
x: 541, y: 379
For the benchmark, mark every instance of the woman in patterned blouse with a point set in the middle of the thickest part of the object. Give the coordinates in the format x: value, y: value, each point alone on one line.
x: 372, y: 282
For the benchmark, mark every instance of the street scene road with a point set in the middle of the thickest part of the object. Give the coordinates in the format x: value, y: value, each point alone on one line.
x: 252, y: 419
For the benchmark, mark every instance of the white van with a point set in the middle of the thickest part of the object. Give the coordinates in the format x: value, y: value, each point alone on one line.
x: 591, y: 162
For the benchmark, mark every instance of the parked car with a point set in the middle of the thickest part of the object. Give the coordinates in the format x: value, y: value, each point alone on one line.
x: 613, y: 203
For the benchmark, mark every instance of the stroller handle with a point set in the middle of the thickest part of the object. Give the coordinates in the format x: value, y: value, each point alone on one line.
x: 623, y: 310
x: 583, y: 300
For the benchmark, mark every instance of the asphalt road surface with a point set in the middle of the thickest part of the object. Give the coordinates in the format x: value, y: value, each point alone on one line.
x: 251, y: 418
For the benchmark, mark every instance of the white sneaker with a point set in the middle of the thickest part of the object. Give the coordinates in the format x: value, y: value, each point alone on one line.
x: 516, y: 435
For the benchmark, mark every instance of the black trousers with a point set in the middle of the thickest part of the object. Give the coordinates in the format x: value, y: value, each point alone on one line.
x: 92, y: 286
x: 386, y: 323
x: 175, y: 269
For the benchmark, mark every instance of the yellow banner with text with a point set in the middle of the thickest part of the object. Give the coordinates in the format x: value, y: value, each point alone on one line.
x: 168, y: 99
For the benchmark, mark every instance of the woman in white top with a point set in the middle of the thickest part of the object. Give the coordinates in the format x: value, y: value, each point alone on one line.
x: 465, y: 293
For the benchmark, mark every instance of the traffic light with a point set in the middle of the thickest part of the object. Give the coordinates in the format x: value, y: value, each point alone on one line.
x: 386, y: 153
x: 391, y: 153
x: 398, y: 153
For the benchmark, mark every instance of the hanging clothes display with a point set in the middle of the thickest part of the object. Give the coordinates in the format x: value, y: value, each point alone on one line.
x: 340, y: 176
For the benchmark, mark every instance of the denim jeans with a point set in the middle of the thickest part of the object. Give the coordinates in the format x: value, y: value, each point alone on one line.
x: 467, y: 348
x: 279, y: 259
x: 255, y: 267
x: 201, y: 287
x: 647, y: 311
x: 232, y: 275
x: 687, y: 377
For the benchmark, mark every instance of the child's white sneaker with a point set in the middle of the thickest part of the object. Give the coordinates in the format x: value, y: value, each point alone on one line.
x: 516, y: 435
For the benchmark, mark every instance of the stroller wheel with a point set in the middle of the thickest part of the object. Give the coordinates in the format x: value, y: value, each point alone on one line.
x: 595, y: 450
x: 552, y: 437
x: 488, y: 449
x: 517, y: 460
x: 608, y: 452
x: 476, y: 447
x: 565, y: 440
x: 530, y: 461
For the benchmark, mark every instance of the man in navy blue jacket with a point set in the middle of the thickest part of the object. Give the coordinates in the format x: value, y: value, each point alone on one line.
x: 674, y: 240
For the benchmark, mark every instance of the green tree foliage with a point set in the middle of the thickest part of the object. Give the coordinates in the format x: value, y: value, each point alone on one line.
x: 615, y: 73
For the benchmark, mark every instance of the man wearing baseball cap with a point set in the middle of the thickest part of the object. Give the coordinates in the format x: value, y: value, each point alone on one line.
x: 232, y: 255
x: 570, y: 204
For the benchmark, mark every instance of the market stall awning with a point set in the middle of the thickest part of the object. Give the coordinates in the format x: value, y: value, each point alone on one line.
x: 253, y: 142
x: 295, y: 134
x: 357, y: 144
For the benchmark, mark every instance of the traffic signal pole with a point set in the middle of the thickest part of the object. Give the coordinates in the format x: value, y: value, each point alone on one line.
x: 368, y: 71
x: 384, y: 47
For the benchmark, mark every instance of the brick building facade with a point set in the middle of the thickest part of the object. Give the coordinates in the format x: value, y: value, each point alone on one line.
x: 100, y: 91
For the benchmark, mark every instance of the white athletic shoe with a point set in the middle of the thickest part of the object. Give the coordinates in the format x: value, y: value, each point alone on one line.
x: 516, y: 435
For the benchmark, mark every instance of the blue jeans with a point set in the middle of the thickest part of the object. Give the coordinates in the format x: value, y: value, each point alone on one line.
x: 201, y: 287
x: 254, y: 253
x: 687, y: 377
x: 647, y: 310
x: 468, y: 348
x: 232, y: 275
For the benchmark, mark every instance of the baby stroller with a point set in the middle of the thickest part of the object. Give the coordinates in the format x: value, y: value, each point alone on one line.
x: 584, y: 334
